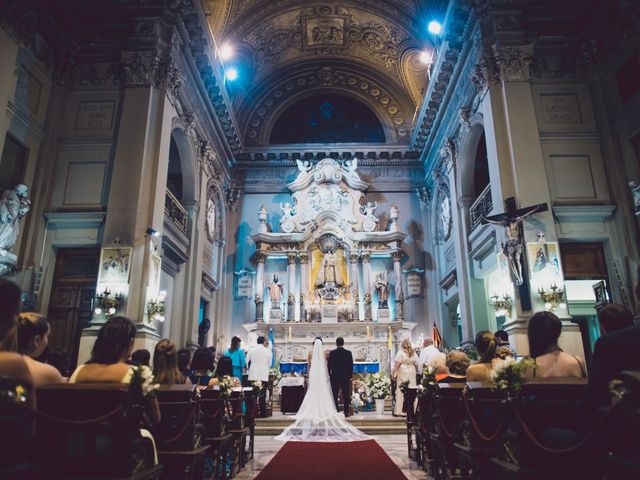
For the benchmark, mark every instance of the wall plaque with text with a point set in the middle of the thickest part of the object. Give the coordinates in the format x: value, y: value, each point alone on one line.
x: 560, y: 109
x: 95, y: 115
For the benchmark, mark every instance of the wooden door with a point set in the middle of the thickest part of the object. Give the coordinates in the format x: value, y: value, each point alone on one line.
x: 72, y: 294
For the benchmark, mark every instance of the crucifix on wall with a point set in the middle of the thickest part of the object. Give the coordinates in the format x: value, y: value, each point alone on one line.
x: 511, y: 220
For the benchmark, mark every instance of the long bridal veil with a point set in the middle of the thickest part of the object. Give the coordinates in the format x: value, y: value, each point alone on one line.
x: 317, y: 419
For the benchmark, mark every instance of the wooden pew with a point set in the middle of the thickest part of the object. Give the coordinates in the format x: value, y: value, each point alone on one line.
x: 18, y: 457
x: 92, y: 431
x: 426, y: 422
x: 214, y: 417
x: 624, y: 461
x: 180, y: 436
x: 545, y: 427
x: 413, y: 424
x: 446, y: 430
x: 238, y: 430
x: 485, y: 419
x: 251, y: 404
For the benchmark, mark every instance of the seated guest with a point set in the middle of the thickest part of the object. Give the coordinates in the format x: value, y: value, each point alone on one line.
x: 457, y: 363
x: 225, y: 367
x: 543, y: 331
x: 237, y: 357
x: 184, y: 361
x: 486, y: 346
x: 141, y: 357
x: 502, y: 341
x: 33, y: 338
x: 615, y: 351
x: 12, y: 364
x: 107, y: 364
x: 201, y: 372
x: 165, y: 364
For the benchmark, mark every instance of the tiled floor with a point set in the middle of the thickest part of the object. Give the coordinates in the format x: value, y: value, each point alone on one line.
x: 394, y: 445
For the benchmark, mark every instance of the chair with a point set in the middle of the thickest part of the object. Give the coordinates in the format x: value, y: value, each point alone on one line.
x: 548, y: 434
x: 179, y: 435
x: 216, y: 423
x: 485, y: 419
x: 92, y: 430
x: 446, y: 431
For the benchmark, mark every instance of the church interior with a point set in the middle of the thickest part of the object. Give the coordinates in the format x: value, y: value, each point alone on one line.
x: 451, y: 188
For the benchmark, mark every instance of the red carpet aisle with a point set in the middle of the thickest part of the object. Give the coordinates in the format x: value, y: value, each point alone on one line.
x: 334, y: 461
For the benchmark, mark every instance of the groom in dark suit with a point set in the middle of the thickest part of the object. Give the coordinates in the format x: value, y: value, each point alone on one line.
x: 340, y: 369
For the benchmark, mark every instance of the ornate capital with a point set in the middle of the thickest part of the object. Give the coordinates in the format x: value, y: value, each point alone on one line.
x: 448, y: 154
x: 149, y: 68
x: 397, y: 255
x: 261, y: 257
x: 232, y: 195
x: 514, y: 62
x: 424, y: 196
x: 353, y: 257
x: 304, y: 258
x: 366, y: 257
x: 483, y: 73
x: 291, y: 258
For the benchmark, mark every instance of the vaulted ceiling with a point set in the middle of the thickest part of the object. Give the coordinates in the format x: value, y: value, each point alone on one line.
x: 286, y: 50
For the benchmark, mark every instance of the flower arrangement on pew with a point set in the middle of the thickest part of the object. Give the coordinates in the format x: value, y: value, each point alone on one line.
x: 428, y: 382
x: 508, y: 375
x: 404, y: 387
x: 379, y: 386
x: 141, y: 384
x: 257, y: 387
x: 226, y: 384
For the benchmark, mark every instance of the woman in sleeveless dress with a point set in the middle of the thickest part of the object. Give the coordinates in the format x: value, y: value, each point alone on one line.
x: 404, y: 369
x: 317, y: 419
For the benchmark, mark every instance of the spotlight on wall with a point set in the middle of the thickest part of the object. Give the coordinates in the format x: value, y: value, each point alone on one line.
x: 226, y: 51
x: 425, y: 57
x: 152, y: 232
x: 231, y: 74
x: 434, y: 27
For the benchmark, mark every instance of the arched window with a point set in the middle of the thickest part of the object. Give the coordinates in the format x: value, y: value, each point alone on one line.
x: 480, y: 167
x: 174, y: 175
x: 327, y: 118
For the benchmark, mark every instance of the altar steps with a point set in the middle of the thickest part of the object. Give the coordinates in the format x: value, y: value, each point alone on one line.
x: 369, y: 423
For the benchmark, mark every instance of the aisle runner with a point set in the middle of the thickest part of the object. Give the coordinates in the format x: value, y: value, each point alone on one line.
x: 331, y: 460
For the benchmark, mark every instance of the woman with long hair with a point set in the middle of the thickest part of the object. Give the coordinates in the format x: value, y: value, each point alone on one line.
x: 201, y: 372
x: 486, y: 346
x: 165, y: 364
x: 544, y: 331
x: 404, y: 369
x: 33, y: 339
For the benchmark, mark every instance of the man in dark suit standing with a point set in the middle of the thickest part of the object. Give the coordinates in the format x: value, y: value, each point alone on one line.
x: 340, y: 370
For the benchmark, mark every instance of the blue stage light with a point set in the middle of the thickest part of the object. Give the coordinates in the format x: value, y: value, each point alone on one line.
x: 434, y: 27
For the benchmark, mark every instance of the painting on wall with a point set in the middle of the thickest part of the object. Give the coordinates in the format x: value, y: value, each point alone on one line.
x: 544, y: 260
x: 114, y: 265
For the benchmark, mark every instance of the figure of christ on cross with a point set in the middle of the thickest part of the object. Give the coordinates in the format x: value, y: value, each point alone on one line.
x: 511, y: 220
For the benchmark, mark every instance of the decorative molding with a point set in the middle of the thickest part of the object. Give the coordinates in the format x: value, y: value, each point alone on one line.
x: 583, y: 213
x: 514, y: 62
x: 287, y: 157
x: 74, y: 219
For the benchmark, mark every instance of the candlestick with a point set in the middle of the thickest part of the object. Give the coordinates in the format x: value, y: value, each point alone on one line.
x: 289, y: 333
x: 368, y: 333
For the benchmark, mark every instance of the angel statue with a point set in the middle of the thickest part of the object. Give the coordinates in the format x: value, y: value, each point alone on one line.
x: 368, y: 209
x: 288, y: 211
x: 303, y: 166
x: 351, y: 165
x: 14, y: 205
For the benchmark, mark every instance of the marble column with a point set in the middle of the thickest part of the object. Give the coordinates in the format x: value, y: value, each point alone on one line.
x: 397, y: 271
x: 291, y: 293
x: 304, y: 284
x: 355, y: 287
x: 260, y: 258
x: 366, y: 278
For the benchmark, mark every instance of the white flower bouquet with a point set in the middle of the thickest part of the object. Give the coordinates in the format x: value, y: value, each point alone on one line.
x: 379, y: 386
x: 142, y: 381
x: 508, y: 375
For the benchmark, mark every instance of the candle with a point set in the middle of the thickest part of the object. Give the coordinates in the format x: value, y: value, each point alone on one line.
x: 289, y: 333
x: 368, y: 333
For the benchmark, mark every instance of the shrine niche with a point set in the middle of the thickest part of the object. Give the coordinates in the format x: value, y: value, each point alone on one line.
x: 343, y: 269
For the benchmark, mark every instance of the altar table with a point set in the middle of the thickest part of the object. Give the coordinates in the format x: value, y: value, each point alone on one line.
x: 302, y: 367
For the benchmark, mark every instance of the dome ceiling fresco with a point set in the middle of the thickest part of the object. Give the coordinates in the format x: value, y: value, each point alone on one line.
x: 368, y: 50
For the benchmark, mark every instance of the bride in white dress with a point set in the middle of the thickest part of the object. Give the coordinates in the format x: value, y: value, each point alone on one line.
x: 317, y: 419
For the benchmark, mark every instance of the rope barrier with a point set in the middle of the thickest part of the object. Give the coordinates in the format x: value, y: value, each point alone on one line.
x: 474, y: 423
x: 559, y: 451
x: 53, y: 418
x: 183, y: 429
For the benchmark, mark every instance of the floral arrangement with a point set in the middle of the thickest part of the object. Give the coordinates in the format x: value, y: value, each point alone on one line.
x: 141, y: 383
x: 275, y: 373
x: 379, y: 386
x: 404, y: 386
x: 508, y: 375
x: 226, y: 384
x: 257, y: 387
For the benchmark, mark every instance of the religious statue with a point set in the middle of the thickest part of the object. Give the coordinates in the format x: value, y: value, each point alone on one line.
x: 635, y: 192
x: 288, y: 211
x: 511, y: 220
x: 14, y: 205
x: 329, y: 271
x: 382, y: 287
x: 368, y: 210
x: 275, y: 292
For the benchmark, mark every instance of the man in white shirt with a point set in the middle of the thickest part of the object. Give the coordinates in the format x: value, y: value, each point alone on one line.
x: 259, y: 361
x: 430, y: 355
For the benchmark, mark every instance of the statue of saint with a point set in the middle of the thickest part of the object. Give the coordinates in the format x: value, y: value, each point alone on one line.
x: 329, y: 271
x: 14, y: 205
x: 275, y: 292
x: 382, y: 287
